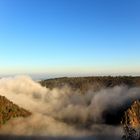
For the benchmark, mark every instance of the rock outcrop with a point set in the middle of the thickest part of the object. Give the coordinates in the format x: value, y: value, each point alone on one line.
x: 132, y: 115
x: 131, y: 122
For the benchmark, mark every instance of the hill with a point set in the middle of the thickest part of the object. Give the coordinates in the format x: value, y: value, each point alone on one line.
x: 84, y: 83
x: 10, y: 110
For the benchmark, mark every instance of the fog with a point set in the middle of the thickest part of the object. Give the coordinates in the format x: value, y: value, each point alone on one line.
x: 62, y: 111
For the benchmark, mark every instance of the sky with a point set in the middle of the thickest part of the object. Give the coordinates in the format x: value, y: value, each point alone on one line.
x: 70, y: 37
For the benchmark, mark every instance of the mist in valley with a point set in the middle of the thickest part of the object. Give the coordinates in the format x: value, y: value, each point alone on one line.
x: 64, y: 112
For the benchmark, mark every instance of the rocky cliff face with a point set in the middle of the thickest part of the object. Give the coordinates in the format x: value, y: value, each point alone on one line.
x: 132, y: 115
x: 9, y: 110
x: 131, y: 122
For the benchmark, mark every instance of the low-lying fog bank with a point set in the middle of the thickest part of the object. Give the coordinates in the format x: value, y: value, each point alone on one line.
x: 64, y: 111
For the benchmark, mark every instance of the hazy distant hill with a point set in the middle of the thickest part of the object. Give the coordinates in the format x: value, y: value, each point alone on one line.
x: 9, y: 110
x: 84, y: 83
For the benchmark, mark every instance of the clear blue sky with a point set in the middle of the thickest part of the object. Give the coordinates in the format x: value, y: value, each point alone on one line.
x: 70, y: 37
